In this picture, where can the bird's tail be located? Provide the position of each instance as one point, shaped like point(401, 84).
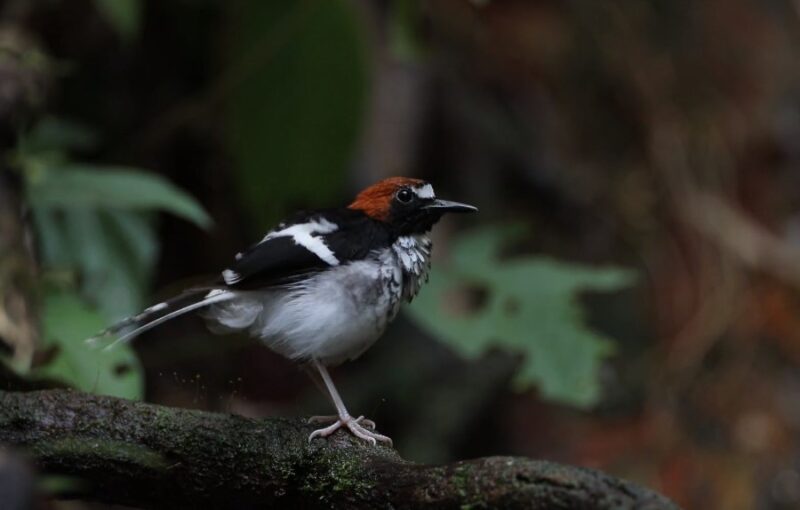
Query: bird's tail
point(133, 326)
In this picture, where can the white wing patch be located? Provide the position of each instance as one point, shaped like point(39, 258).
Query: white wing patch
point(425, 191)
point(303, 234)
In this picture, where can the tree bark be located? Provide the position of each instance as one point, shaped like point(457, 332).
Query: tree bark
point(152, 456)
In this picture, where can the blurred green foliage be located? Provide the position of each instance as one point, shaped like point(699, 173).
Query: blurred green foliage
point(296, 90)
point(68, 322)
point(297, 109)
point(95, 230)
point(66, 185)
point(404, 22)
point(524, 305)
point(125, 16)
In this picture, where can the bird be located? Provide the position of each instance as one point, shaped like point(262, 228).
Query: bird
point(321, 287)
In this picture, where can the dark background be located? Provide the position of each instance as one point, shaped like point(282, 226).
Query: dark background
point(661, 136)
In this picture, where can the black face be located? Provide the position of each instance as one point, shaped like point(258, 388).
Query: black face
point(414, 209)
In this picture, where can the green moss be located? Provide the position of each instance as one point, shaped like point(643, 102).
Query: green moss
point(463, 480)
point(460, 479)
point(349, 476)
point(103, 448)
point(331, 474)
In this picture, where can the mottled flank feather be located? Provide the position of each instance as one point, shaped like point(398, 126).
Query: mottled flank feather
point(376, 200)
point(414, 255)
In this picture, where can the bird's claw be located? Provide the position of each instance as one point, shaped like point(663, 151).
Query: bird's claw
point(331, 418)
point(360, 427)
point(366, 423)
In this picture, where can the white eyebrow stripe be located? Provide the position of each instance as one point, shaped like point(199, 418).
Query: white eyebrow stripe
point(425, 191)
point(303, 235)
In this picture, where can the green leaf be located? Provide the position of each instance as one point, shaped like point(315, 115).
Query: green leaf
point(115, 188)
point(298, 106)
point(114, 274)
point(136, 238)
point(112, 254)
point(57, 134)
point(403, 28)
point(124, 15)
point(51, 238)
point(67, 322)
point(524, 305)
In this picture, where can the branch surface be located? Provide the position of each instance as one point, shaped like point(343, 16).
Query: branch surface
point(152, 456)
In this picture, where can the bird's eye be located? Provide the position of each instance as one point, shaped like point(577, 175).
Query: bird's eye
point(405, 195)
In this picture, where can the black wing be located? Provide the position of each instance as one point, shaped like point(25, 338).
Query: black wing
point(281, 260)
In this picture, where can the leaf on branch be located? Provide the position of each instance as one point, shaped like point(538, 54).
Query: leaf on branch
point(525, 305)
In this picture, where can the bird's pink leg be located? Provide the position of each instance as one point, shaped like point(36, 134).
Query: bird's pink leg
point(343, 418)
point(330, 418)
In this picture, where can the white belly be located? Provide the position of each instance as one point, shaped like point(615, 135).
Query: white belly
point(333, 316)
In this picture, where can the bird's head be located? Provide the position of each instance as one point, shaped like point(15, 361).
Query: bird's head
point(408, 205)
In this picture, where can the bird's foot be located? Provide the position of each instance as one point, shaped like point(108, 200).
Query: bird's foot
point(359, 427)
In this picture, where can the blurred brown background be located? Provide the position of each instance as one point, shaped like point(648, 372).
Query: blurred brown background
point(662, 136)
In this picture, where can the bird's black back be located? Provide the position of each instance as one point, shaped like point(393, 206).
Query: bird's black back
point(281, 260)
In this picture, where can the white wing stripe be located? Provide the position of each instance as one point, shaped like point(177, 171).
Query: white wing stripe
point(303, 235)
point(230, 276)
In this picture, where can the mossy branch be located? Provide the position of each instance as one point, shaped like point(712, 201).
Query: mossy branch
point(152, 456)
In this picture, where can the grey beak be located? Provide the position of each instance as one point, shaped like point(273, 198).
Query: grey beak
point(448, 206)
